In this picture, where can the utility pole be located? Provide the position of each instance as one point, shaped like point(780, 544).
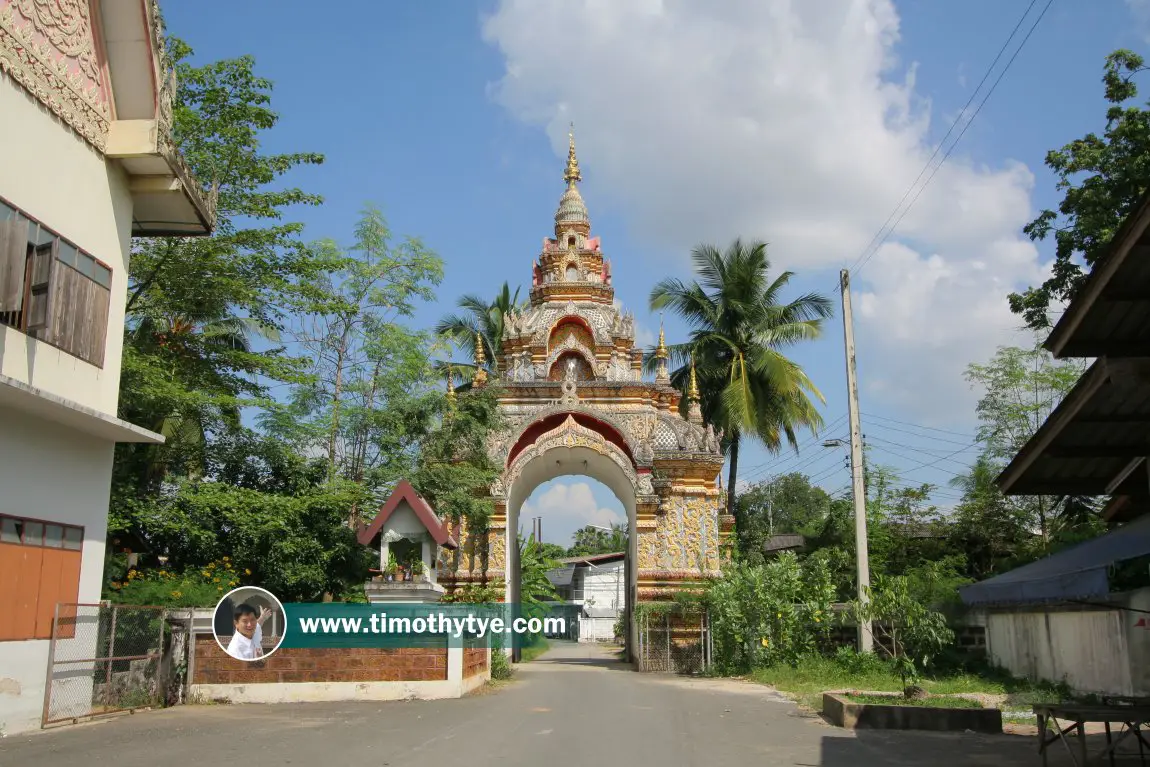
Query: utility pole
point(866, 640)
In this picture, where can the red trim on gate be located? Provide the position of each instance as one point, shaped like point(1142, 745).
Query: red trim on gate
point(539, 428)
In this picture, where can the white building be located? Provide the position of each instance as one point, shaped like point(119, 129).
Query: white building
point(85, 120)
point(598, 584)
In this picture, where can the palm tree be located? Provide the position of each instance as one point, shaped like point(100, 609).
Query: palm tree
point(738, 326)
point(483, 320)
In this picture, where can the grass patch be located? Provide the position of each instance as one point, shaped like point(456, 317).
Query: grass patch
point(931, 702)
point(533, 648)
point(811, 677)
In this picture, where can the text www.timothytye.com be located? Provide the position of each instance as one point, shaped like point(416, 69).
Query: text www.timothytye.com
point(434, 623)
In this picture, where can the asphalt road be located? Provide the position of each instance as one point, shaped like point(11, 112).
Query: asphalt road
point(574, 706)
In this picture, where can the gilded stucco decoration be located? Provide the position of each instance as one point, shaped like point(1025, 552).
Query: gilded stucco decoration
point(47, 46)
point(670, 462)
point(571, 434)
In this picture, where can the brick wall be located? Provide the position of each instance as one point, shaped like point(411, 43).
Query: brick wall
point(474, 661)
point(403, 664)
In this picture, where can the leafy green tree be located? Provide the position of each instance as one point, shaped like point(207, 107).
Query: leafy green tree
point(482, 319)
point(905, 629)
point(739, 329)
point(196, 306)
point(454, 469)
point(552, 550)
point(535, 587)
point(780, 505)
point(993, 531)
point(365, 364)
point(275, 515)
point(588, 541)
point(1021, 387)
point(1103, 178)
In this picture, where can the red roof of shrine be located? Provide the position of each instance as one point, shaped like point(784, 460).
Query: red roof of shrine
point(405, 492)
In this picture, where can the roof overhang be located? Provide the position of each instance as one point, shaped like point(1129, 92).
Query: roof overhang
point(405, 492)
point(1110, 315)
point(1095, 442)
point(41, 404)
point(167, 199)
point(1077, 573)
point(561, 576)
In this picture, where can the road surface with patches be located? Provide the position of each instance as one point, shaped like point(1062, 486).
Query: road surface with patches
point(575, 705)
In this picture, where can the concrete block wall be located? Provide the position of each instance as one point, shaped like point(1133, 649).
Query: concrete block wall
point(357, 664)
point(333, 674)
point(474, 661)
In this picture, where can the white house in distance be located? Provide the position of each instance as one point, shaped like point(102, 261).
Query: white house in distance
point(597, 583)
point(89, 163)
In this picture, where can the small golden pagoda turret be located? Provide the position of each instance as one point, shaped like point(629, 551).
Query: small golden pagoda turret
point(662, 375)
point(694, 409)
point(480, 361)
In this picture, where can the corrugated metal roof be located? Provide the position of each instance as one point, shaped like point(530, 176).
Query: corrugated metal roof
point(1110, 315)
point(784, 541)
point(561, 576)
point(1095, 441)
point(596, 557)
point(1079, 572)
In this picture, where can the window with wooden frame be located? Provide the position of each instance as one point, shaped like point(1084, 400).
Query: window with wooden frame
point(52, 290)
point(39, 568)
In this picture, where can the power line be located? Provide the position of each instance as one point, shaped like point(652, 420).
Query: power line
point(811, 460)
point(919, 426)
point(953, 125)
point(862, 262)
point(818, 435)
point(924, 436)
point(892, 451)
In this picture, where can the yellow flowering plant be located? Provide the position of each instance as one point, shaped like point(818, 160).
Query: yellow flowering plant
point(195, 587)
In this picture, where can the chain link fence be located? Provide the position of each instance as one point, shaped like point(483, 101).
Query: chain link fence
point(673, 641)
point(103, 659)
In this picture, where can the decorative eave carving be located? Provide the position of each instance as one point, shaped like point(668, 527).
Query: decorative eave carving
point(44, 72)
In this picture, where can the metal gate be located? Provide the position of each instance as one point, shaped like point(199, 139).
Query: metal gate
point(102, 659)
point(674, 641)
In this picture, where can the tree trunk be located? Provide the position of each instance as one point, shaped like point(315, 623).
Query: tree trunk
point(731, 476)
point(341, 356)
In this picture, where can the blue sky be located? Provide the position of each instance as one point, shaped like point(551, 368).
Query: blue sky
point(700, 123)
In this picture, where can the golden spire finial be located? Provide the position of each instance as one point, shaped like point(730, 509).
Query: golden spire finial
point(693, 390)
point(480, 360)
point(450, 388)
point(572, 174)
point(661, 351)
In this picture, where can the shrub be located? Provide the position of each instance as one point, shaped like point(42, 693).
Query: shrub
point(854, 662)
point(905, 629)
point(771, 613)
point(197, 587)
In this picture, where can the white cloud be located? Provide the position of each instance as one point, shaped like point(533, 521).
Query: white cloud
point(1140, 10)
point(794, 123)
point(565, 508)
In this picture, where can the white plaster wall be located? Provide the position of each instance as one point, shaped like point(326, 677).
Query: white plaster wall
point(404, 520)
point(50, 472)
point(606, 586)
point(58, 179)
point(1085, 648)
point(597, 629)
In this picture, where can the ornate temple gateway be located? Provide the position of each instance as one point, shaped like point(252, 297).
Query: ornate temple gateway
point(575, 403)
